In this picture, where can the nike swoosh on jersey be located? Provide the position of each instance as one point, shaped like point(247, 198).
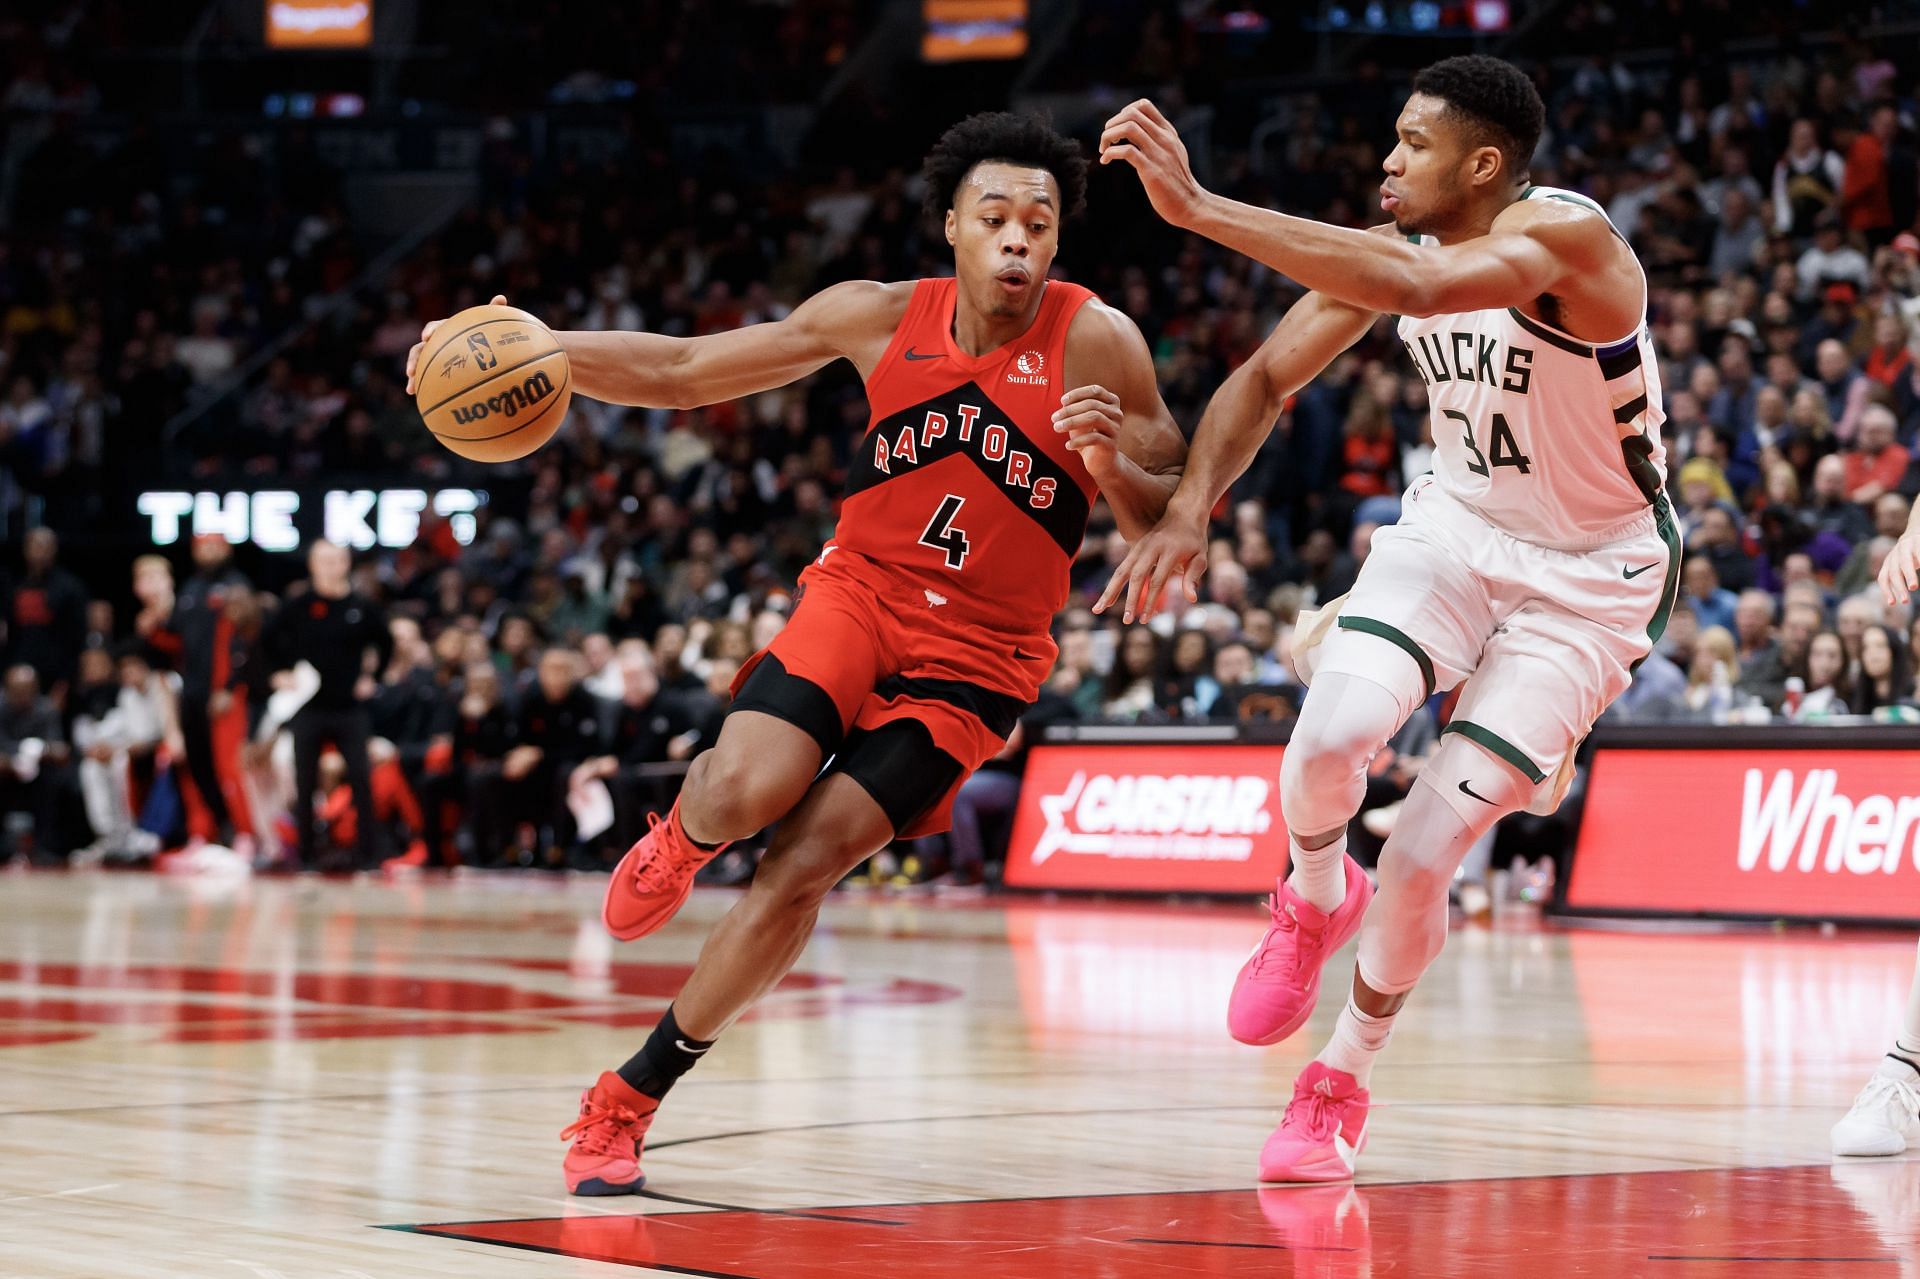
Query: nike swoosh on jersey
point(1631, 573)
point(930, 355)
point(1468, 790)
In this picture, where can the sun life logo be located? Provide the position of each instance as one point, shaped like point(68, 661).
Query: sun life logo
point(1029, 369)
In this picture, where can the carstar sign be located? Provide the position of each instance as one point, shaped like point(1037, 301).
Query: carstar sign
point(1149, 819)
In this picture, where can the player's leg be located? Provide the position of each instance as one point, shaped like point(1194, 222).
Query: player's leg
point(836, 826)
point(1885, 1118)
point(1344, 722)
point(757, 771)
point(1543, 678)
point(1403, 930)
point(792, 706)
point(1415, 622)
point(889, 779)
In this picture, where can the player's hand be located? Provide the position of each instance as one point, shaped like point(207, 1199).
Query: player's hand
point(1900, 574)
point(1142, 137)
point(1176, 547)
point(413, 356)
point(1090, 418)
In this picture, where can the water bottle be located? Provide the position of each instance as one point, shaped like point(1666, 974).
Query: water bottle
point(1796, 693)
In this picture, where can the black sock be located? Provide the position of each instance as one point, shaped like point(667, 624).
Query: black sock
point(669, 1053)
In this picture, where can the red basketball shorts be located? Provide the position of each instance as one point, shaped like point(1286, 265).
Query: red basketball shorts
point(904, 697)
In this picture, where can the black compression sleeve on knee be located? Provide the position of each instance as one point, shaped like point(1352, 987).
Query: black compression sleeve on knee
point(668, 1054)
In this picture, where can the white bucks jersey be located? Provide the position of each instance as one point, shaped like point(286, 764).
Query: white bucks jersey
point(1550, 438)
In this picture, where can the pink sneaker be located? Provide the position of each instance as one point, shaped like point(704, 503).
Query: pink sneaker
point(604, 1158)
point(1324, 1129)
point(1275, 992)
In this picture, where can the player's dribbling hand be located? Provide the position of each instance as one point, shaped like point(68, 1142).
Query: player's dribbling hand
point(1142, 137)
point(1900, 574)
point(413, 356)
point(1174, 548)
point(1090, 418)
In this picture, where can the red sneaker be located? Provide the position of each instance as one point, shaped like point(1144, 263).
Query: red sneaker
point(605, 1156)
point(652, 881)
point(1278, 985)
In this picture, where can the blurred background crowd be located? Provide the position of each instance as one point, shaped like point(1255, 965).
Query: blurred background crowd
point(242, 319)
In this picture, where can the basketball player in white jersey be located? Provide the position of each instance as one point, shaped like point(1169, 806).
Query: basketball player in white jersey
point(1885, 1119)
point(1540, 558)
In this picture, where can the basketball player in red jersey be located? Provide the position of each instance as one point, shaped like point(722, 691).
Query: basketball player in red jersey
point(921, 632)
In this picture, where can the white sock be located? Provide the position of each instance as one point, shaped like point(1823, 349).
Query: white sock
point(1319, 874)
point(1357, 1039)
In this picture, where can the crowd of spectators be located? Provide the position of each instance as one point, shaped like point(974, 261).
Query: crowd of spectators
point(647, 552)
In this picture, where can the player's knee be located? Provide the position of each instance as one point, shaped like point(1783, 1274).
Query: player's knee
point(1319, 775)
point(1322, 763)
point(1408, 877)
point(727, 797)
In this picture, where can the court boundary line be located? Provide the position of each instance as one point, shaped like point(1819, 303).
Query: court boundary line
point(434, 1227)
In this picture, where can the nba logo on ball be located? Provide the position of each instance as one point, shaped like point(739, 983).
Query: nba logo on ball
point(1029, 369)
point(483, 356)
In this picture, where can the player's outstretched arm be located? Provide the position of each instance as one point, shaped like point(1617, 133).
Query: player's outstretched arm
point(1238, 420)
point(1533, 245)
point(657, 371)
point(1116, 421)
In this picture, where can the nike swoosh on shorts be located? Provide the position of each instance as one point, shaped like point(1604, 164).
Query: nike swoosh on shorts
point(1468, 790)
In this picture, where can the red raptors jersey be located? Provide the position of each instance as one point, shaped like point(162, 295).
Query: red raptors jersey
point(961, 484)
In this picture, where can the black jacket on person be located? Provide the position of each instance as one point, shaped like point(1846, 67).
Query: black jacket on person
point(38, 719)
point(640, 734)
point(199, 611)
point(566, 731)
point(46, 623)
point(485, 740)
point(410, 711)
point(334, 635)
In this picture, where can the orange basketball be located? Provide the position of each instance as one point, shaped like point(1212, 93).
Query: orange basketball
point(493, 383)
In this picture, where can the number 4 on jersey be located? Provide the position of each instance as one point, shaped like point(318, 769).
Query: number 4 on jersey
point(941, 535)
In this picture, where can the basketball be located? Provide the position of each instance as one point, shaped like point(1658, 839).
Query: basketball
point(493, 384)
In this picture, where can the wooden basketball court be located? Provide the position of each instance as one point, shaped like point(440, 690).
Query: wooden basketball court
point(298, 1079)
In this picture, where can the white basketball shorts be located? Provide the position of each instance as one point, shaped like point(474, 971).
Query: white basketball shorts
point(1549, 635)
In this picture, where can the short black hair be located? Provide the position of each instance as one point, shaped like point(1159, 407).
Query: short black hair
point(1002, 136)
point(1495, 99)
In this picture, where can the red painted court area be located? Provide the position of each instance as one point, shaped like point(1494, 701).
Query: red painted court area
point(1858, 1219)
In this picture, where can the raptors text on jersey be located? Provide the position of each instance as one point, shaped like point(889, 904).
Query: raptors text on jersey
point(960, 483)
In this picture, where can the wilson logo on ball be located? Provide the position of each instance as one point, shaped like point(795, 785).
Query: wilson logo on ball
point(508, 402)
